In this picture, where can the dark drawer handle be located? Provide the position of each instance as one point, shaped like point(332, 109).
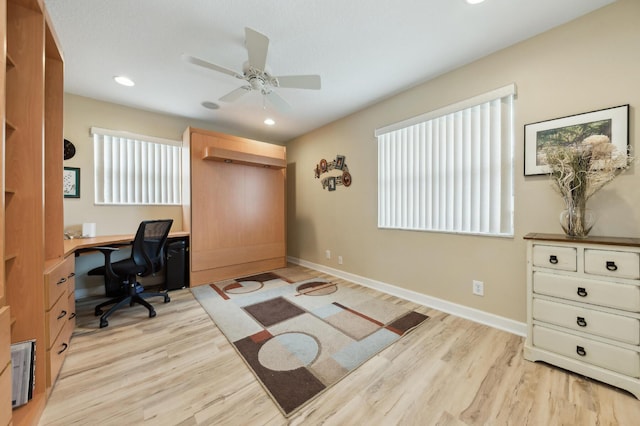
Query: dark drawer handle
point(64, 348)
point(553, 259)
point(611, 265)
point(581, 322)
point(72, 316)
point(62, 280)
point(582, 292)
point(71, 275)
point(581, 351)
point(62, 314)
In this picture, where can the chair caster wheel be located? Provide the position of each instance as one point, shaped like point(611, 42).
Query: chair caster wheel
point(167, 299)
point(152, 314)
point(98, 312)
point(104, 323)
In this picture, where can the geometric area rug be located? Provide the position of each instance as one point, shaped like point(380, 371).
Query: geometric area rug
point(300, 338)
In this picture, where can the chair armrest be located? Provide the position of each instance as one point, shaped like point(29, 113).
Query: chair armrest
point(106, 251)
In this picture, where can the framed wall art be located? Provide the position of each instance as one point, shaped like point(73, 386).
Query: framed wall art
point(71, 182)
point(611, 122)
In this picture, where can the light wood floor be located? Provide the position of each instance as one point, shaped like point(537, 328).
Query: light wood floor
point(178, 369)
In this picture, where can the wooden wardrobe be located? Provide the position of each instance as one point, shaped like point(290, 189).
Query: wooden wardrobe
point(233, 205)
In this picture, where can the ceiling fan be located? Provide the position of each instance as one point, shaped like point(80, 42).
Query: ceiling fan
point(255, 73)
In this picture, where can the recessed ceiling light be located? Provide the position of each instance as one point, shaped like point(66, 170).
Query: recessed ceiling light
point(210, 105)
point(474, 1)
point(125, 81)
point(269, 122)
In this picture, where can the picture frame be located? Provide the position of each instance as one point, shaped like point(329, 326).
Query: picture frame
point(71, 182)
point(340, 162)
point(612, 122)
point(332, 183)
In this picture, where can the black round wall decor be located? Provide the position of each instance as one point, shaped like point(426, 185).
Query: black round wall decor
point(69, 149)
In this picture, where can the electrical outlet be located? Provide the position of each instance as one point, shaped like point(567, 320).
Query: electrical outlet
point(328, 254)
point(339, 260)
point(478, 288)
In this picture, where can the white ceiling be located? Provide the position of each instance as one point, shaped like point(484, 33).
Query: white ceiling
point(364, 51)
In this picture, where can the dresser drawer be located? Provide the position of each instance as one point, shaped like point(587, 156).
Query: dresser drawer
point(603, 355)
point(71, 303)
point(616, 327)
point(554, 257)
point(611, 263)
point(5, 337)
point(57, 280)
point(5, 395)
point(58, 352)
point(612, 295)
point(57, 317)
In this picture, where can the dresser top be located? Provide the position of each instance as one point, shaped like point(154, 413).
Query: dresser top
point(611, 241)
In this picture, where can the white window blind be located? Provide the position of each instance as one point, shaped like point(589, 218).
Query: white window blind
point(135, 169)
point(450, 170)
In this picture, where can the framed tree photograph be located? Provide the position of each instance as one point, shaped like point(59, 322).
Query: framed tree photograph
point(71, 182)
point(611, 122)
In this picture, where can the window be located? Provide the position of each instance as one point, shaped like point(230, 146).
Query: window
point(135, 170)
point(450, 170)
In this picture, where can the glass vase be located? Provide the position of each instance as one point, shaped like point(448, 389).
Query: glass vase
point(577, 222)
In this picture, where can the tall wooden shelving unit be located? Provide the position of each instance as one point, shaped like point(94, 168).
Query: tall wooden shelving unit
point(5, 313)
point(33, 143)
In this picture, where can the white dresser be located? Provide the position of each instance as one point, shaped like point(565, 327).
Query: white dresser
point(583, 306)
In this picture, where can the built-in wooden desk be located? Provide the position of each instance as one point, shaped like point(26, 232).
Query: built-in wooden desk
point(75, 244)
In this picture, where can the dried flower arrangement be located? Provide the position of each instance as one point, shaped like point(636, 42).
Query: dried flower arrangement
point(578, 170)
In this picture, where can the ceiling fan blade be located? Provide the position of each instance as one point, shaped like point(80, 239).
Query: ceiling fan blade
point(299, 81)
point(235, 94)
point(278, 101)
point(205, 64)
point(257, 46)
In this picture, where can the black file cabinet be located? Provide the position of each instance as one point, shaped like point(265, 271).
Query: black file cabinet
point(177, 274)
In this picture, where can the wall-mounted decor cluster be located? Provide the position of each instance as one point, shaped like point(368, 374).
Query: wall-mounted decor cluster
point(331, 182)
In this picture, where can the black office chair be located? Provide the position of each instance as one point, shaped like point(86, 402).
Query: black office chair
point(147, 257)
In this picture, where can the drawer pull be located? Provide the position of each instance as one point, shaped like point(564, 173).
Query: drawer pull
point(71, 275)
point(581, 322)
point(580, 351)
point(582, 292)
point(553, 259)
point(62, 280)
point(611, 265)
point(62, 314)
point(72, 316)
point(64, 348)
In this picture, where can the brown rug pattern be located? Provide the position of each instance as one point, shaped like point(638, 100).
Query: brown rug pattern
point(301, 338)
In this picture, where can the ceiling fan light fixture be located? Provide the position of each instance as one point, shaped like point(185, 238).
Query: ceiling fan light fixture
point(125, 81)
point(210, 105)
point(269, 121)
point(474, 1)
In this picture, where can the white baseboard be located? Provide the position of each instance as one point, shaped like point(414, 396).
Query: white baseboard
point(476, 315)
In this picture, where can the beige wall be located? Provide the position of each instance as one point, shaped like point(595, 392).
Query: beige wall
point(80, 114)
point(585, 65)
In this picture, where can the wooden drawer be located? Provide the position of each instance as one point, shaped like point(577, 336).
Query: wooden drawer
point(614, 358)
point(616, 327)
point(57, 317)
point(611, 263)
point(619, 296)
point(5, 366)
point(5, 395)
point(58, 352)
point(56, 281)
point(5, 337)
point(554, 257)
point(71, 303)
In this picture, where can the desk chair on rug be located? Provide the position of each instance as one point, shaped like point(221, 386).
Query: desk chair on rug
point(147, 257)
